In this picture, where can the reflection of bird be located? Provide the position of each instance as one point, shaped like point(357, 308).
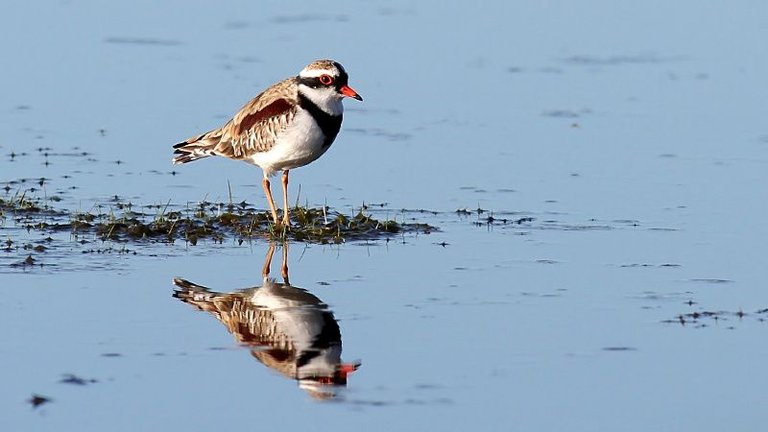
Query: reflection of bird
point(288, 125)
point(289, 329)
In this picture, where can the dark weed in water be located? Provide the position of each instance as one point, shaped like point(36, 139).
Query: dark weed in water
point(36, 400)
point(704, 318)
point(120, 222)
point(20, 203)
point(486, 218)
point(77, 380)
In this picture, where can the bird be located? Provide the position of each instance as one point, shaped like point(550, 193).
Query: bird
point(290, 124)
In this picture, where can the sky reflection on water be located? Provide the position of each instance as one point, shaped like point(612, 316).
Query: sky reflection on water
point(633, 135)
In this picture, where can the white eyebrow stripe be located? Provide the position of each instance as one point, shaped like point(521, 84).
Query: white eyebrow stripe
point(314, 73)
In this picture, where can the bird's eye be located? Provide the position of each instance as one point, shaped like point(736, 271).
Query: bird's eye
point(326, 79)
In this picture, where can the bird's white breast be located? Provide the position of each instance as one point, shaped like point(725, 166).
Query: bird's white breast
point(299, 144)
point(300, 320)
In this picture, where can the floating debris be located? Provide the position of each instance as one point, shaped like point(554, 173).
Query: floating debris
point(37, 400)
point(619, 348)
point(698, 319)
point(76, 380)
point(26, 262)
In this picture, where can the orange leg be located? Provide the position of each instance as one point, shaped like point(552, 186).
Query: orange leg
point(271, 201)
point(286, 217)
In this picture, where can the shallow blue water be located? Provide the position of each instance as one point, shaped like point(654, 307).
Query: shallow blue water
point(634, 135)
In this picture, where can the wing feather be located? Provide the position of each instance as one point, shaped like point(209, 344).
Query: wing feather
point(256, 126)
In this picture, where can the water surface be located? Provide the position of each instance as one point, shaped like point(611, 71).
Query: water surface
point(628, 140)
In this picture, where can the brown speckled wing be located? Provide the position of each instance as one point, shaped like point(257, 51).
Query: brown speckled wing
point(255, 127)
point(252, 119)
point(250, 323)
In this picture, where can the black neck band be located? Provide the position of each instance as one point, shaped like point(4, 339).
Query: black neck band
point(329, 124)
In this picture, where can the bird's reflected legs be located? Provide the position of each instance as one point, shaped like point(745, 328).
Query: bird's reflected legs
point(284, 268)
point(268, 261)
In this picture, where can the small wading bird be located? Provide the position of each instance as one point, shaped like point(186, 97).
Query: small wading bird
point(288, 125)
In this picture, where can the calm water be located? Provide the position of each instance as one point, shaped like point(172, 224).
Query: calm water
point(633, 135)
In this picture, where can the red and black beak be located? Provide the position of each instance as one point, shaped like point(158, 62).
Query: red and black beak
point(349, 92)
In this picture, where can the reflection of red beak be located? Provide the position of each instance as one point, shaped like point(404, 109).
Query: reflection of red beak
point(345, 369)
point(350, 92)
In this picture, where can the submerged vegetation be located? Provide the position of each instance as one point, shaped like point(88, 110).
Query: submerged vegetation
point(122, 222)
point(33, 227)
point(704, 318)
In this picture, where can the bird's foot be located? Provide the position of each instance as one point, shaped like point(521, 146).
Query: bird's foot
point(280, 228)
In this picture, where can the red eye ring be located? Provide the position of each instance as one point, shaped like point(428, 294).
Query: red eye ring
point(326, 79)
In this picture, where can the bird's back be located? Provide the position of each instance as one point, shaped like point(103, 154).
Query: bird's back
point(253, 129)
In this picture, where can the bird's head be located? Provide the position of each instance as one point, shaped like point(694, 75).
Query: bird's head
point(325, 80)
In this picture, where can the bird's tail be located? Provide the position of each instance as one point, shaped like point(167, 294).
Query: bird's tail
point(197, 147)
point(194, 294)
